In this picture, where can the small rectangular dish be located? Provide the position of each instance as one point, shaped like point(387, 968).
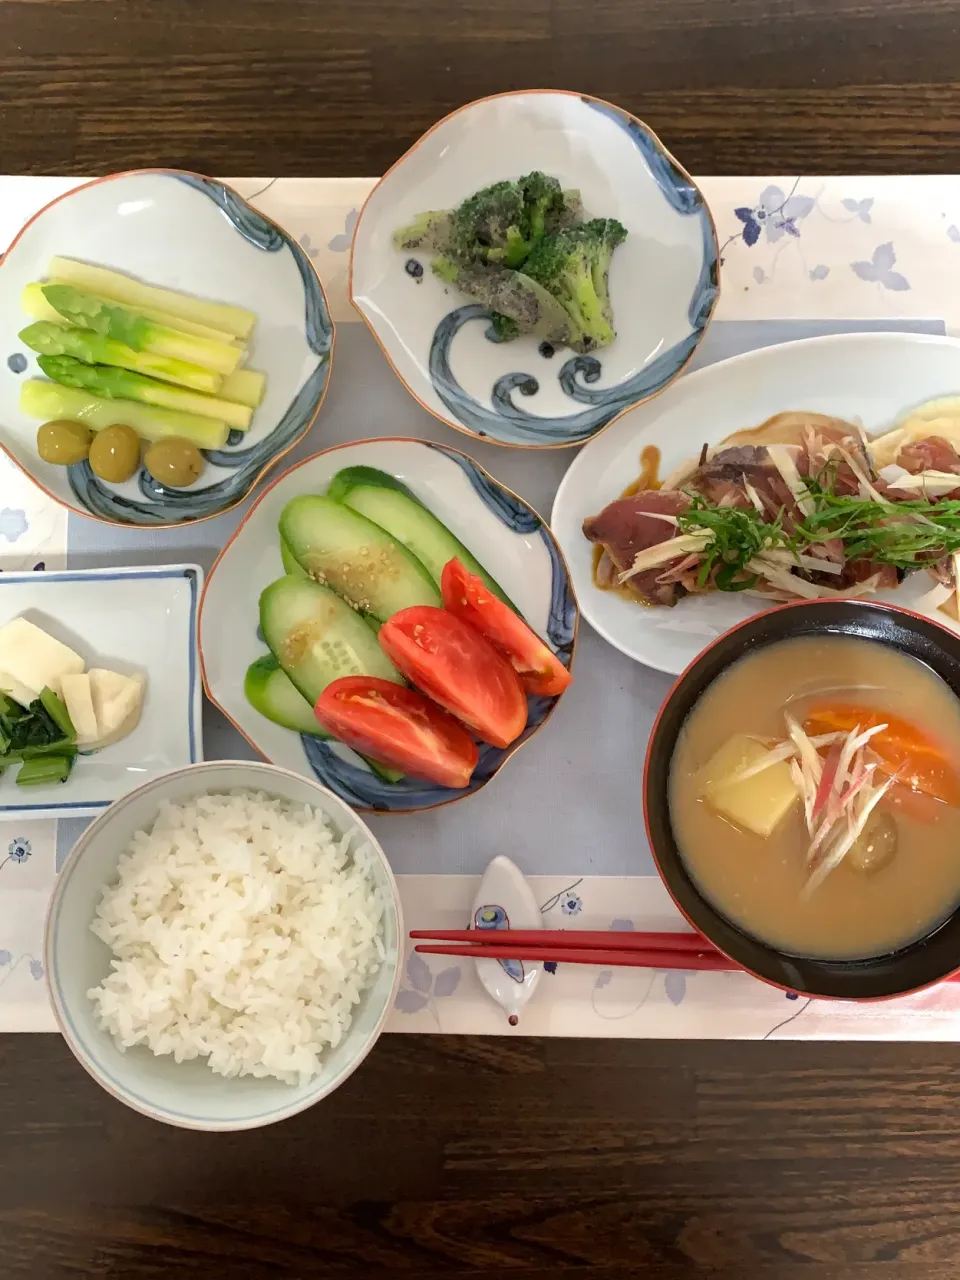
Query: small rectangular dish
point(137, 621)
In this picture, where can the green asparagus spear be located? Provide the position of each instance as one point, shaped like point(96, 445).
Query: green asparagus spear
point(49, 401)
point(133, 293)
point(135, 330)
point(120, 384)
point(93, 348)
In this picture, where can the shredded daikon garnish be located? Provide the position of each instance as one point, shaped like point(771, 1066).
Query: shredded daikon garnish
point(663, 552)
point(752, 494)
point(932, 484)
point(863, 480)
point(782, 459)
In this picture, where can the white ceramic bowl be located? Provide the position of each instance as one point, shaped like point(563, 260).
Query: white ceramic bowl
point(177, 230)
point(189, 1094)
point(868, 378)
point(663, 282)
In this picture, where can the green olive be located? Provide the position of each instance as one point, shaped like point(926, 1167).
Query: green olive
point(115, 453)
point(876, 845)
point(63, 442)
point(174, 462)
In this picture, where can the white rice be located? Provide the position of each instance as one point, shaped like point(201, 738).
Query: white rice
point(243, 930)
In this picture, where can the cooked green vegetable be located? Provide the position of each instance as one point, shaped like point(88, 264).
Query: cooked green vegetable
point(502, 223)
point(36, 305)
point(87, 345)
point(120, 384)
point(56, 709)
point(40, 738)
point(511, 295)
point(51, 401)
point(44, 769)
point(245, 386)
point(370, 569)
point(122, 288)
point(390, 504)
point(574, 266)
point(138, 332)
point(430, 232)
point(522, 250)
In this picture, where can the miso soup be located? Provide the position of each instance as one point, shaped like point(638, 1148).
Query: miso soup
point(815, 797)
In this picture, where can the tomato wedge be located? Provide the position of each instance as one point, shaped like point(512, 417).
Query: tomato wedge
point(457, 667)
point(918, 759)
point(398, 727)
point(466, 596)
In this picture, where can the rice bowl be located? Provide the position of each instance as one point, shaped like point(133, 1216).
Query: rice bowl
point(229, 920)
point(242, 931)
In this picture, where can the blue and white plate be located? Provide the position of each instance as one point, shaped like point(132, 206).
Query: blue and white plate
point(663, 282)
point(507, 537)
point(141, 622)
point(179, 231)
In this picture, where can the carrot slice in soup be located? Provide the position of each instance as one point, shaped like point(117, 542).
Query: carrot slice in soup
point(921, 762)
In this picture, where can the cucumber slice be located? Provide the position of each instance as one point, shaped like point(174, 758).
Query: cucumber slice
point(355, 557)
point(291, 564)
point(269, 690)
point(317, 638)
point(384, 500)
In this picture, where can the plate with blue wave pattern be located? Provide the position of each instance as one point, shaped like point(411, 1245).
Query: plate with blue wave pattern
point(506, 535)
point(663, 281)
point(182, 231)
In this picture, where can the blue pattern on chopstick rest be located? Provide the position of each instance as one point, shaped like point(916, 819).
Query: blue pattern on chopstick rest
point(509, 422)
point(169, 506)
point(353, 781)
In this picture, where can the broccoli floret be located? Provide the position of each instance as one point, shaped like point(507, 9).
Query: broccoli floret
point(548, 207)
point(502, 223)
point(488, 225)
point(508, 294)
point(430, 232)
point(504, 329)
point(573, 265)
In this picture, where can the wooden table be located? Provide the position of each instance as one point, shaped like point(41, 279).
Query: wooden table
point(517, 1158)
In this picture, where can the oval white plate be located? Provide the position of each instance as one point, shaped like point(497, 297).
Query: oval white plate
point(870, 378)
point(508, 538)
point(663, 283)
point(180, 231)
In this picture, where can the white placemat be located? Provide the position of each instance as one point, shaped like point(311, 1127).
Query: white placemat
point(799, 256)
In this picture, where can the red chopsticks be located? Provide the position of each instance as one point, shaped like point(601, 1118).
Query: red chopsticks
point(578, 946)
point(610, 947)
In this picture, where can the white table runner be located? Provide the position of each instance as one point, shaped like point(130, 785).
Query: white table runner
point(799, 256)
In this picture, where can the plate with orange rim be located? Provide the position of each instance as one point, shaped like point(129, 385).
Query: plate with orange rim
point(663, 283)
point(183, 231)
point(506, 535)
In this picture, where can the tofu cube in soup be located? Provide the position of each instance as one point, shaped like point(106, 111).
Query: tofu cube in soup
point(758, 803)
